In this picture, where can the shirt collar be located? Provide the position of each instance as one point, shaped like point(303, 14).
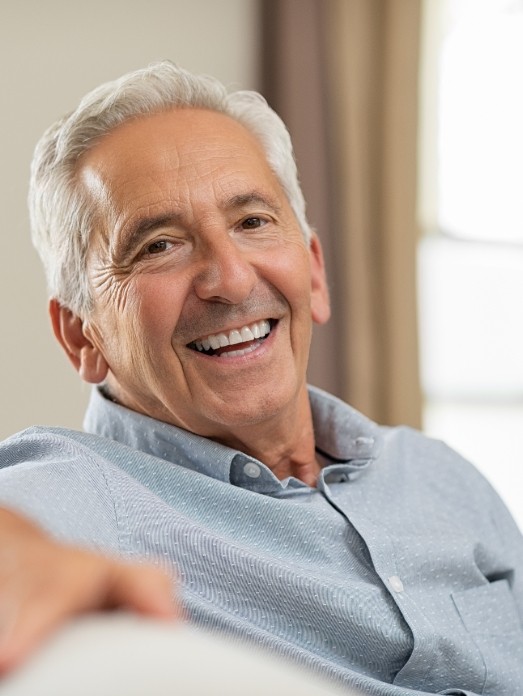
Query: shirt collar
point(342, 434)
point(346, 440)
point(168, 442)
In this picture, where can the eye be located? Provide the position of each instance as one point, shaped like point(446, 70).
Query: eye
point(252, 223)
point(157, 247)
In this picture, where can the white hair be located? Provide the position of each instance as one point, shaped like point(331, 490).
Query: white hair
point(62, 217)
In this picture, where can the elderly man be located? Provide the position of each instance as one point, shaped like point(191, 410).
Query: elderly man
point(184, 281)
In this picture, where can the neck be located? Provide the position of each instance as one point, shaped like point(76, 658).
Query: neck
point(286, 444)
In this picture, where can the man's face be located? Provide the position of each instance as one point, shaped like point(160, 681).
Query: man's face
point(204, 289)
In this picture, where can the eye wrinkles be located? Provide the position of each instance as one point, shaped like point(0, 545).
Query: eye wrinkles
point(131, 238)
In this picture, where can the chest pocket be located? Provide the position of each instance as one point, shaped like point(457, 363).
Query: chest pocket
point(490, 615)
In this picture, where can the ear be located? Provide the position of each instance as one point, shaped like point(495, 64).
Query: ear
point(320, 304)
point(71, 333)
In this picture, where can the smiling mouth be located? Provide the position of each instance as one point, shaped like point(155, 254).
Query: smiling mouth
point(236, 342)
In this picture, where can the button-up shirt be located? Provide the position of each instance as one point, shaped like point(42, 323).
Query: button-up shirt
point(400, 573)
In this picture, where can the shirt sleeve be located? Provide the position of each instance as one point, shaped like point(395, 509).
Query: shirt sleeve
point(60, 485)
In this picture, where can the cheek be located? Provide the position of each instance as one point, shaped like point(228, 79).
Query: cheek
point(154, 308)
point(289, 272)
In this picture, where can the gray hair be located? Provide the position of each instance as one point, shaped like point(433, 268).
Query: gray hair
point(62, 217)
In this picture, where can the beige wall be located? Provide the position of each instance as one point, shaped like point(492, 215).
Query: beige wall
point(51, 53)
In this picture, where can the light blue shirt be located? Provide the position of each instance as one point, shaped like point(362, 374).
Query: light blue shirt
point(401, 573)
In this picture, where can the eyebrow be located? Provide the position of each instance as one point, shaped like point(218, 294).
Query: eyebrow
point(243, 200)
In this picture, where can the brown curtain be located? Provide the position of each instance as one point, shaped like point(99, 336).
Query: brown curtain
point(343, 74)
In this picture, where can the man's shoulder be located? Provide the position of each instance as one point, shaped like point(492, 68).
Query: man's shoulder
point(59, 464)
point(57, 478)
point(414, 448)
point(48, 444)
point(412, 459)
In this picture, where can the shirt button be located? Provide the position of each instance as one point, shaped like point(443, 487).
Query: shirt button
point(362, 441)
point(396, 583)
point(251, 470)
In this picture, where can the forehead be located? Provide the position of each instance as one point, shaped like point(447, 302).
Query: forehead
point(174, 154)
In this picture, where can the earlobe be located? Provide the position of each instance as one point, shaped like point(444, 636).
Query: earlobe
point(320, 303)
point(77, 343)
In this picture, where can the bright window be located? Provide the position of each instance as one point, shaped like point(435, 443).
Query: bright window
point(471, 255)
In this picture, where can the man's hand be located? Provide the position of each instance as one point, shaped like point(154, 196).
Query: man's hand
point(42, 583)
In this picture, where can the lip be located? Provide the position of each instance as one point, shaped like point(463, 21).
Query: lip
point(223, 339)
point(264, 345)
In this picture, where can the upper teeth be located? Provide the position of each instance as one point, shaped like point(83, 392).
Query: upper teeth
point(247, 333)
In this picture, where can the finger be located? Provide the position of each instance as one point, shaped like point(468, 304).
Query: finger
point(144, 589)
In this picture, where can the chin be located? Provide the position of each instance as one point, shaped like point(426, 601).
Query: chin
point(253, 411)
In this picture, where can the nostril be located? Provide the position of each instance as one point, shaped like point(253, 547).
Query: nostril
point(229, 280)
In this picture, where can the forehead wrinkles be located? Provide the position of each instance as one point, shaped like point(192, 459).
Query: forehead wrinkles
point(123, 183)
point(209, 169)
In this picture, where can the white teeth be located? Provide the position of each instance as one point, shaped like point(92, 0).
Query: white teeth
point(234, 338)
point(241, 351)
point(247, 333)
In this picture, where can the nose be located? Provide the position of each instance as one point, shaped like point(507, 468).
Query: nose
point(225, 272)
